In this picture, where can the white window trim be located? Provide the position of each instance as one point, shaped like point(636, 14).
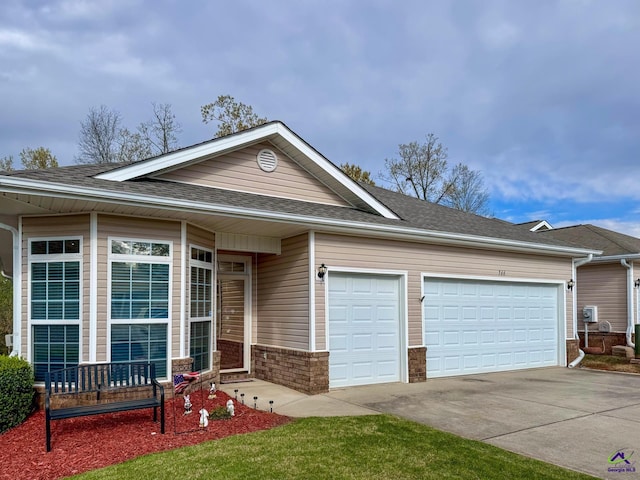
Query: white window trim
point(50, 258)
point(153, 259)
point(209, 266)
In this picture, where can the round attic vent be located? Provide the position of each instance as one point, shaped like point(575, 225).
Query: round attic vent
point(267, 160)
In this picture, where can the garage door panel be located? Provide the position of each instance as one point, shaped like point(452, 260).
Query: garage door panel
point(368, 324)
point(489, 326)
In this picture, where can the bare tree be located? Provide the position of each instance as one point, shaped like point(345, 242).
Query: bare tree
point(99, 135)
point(422, 171)
point(6, 163)
point(161, 131)
point(36, 159)
point(357, 173)
point(131, 147)
point(469, 193)
point(231, 116)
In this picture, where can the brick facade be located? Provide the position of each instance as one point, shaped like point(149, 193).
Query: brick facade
point(610, 340)
point(307, 372)
point(184, 365)
point(417, 364)
point(572, 350)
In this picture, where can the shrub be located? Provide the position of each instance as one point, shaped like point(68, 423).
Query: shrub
point(219, 413)
point(16, 391)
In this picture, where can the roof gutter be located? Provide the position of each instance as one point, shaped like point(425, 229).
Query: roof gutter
point(48, 189)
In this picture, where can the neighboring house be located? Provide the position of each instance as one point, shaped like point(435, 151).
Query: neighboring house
point(252, 254)
point(609, 282)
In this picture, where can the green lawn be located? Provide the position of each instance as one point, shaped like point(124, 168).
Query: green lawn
point(370, 447)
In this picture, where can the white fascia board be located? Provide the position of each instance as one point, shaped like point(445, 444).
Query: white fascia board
point(335, 173)
point(30, 187)
point(188, 154)
point(616, 258)
point(543, 224)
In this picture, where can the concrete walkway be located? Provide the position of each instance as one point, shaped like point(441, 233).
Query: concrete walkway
point(574, 418)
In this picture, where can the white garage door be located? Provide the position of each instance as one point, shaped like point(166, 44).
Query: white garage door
point(364, 329)
point(478, 327)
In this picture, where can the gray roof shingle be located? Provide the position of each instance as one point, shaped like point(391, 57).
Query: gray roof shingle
point(413, 213)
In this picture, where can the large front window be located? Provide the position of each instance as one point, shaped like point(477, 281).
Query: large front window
point(201, 307)
point(54, 303)
point(140, 282)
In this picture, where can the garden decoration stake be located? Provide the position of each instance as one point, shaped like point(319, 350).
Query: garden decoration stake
point(212, 391)
point(204, 418)
point(231, 408)
point(187, 405)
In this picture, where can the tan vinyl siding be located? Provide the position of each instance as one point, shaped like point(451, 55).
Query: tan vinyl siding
point(52, 227)
point(240, 171)
point(137, 229)
point(603, 285)
point(283, 296)
point(416, 259)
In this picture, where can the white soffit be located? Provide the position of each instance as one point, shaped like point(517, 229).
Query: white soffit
point(280, 136)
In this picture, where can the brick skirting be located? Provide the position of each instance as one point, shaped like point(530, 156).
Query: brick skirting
point(417, 364)
point(572, 350)
point(307, 372)
point(611, 339)
point(183, 365)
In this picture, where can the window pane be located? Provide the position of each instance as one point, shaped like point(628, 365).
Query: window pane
point(55, 246)
point(54, 312)
point(140, 310)
point(71, 311)
point(160, 249)
point(140, 291)
point(39, 247)
point(120, 271)
point(72, 291)
point(120, 310)
point(140, 342)
point(140, 272)
point(71, 246)
point(199, 342)
point(38, 271)
point(141, 248)
point(38, 291)
point(120, 247)
point(160, 273)
point(54, 347)
point(72, 271)
point(54, 291)
point(55, 271)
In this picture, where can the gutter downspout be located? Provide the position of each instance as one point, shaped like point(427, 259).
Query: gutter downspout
point(629, 268)
point(575, 263)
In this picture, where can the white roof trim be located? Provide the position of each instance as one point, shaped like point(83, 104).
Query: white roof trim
point(16, 185)
point(231, 142)
point(542, 225)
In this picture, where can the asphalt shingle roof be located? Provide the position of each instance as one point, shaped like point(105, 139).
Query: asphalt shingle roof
point(590, 236)
point(413, 213)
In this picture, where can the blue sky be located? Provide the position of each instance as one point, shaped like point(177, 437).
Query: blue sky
point(542, 97)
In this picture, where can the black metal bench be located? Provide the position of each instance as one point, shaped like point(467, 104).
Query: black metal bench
point(102, 388)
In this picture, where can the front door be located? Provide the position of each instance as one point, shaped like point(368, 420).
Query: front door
point(233, 312)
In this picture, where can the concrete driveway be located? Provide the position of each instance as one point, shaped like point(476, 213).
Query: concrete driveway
point(574, 418)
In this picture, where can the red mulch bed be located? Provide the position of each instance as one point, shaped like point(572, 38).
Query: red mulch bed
point(87, 443)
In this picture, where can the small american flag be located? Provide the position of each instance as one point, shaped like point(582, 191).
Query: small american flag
point(182, 381)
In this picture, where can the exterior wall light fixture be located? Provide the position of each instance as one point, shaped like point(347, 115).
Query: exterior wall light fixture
point(322, 270)
point(570, 284)
point(637, 283)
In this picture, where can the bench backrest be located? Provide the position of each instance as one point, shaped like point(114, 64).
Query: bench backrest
point(99, 376)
